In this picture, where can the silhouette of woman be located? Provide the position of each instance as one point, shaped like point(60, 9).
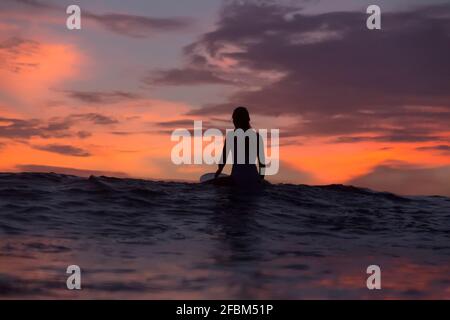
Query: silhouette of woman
point(244, 171)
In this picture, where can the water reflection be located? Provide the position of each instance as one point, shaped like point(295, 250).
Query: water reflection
point(33, 268)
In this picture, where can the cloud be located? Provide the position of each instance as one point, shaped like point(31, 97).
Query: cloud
point(32, 67)
point(328, 70)
point(83, 134)
point(443, 148)
point(57, 127)
point(25, 129)
point(403, 178)
point(182, 123)
point(69, 171)
point(12, 49)
point(94, 118)
point(64, 150)
point(99, 97)
point(188, 76)
point(138, 26)
point(135, 26)
point(187, 123)
point(34, 3)
point(124, 133)
point(400, 137)
point(168, 127)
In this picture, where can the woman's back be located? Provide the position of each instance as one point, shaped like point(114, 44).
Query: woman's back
point(245, 145)
point(245, 174)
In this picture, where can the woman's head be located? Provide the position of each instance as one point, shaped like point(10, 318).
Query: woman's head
point(241, 118)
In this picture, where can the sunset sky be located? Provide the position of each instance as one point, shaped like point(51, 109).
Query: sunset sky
point(355, 106)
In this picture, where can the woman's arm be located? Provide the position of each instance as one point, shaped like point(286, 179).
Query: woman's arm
point(261, 157)
point(224, 160)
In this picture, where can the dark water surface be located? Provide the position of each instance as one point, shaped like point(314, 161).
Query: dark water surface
point(144, 239)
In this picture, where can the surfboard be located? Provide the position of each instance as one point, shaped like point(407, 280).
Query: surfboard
point(210, 176)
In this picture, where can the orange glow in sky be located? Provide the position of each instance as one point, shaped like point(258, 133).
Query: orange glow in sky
point(77, 100)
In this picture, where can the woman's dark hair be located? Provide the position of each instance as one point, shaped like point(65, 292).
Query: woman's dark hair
point(241, 118)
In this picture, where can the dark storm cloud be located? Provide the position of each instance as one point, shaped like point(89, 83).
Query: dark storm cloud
point(69, 171)
point(337, 75)
point(101, 97)
point(135, 26)
point(406, 179)
point(67, 150)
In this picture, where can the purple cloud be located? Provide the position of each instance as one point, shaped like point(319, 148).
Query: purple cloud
point(138, 26)
point(57, 127)
point(67, 150)
point(69, 171)
point(443, 149)
point(135, 26)
point(188, 76)
point(330, 70)
point(101, 97)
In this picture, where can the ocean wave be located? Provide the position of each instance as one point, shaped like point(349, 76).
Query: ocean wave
point(282, 232)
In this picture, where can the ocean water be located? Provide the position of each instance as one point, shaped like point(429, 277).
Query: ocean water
point(136, 239)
